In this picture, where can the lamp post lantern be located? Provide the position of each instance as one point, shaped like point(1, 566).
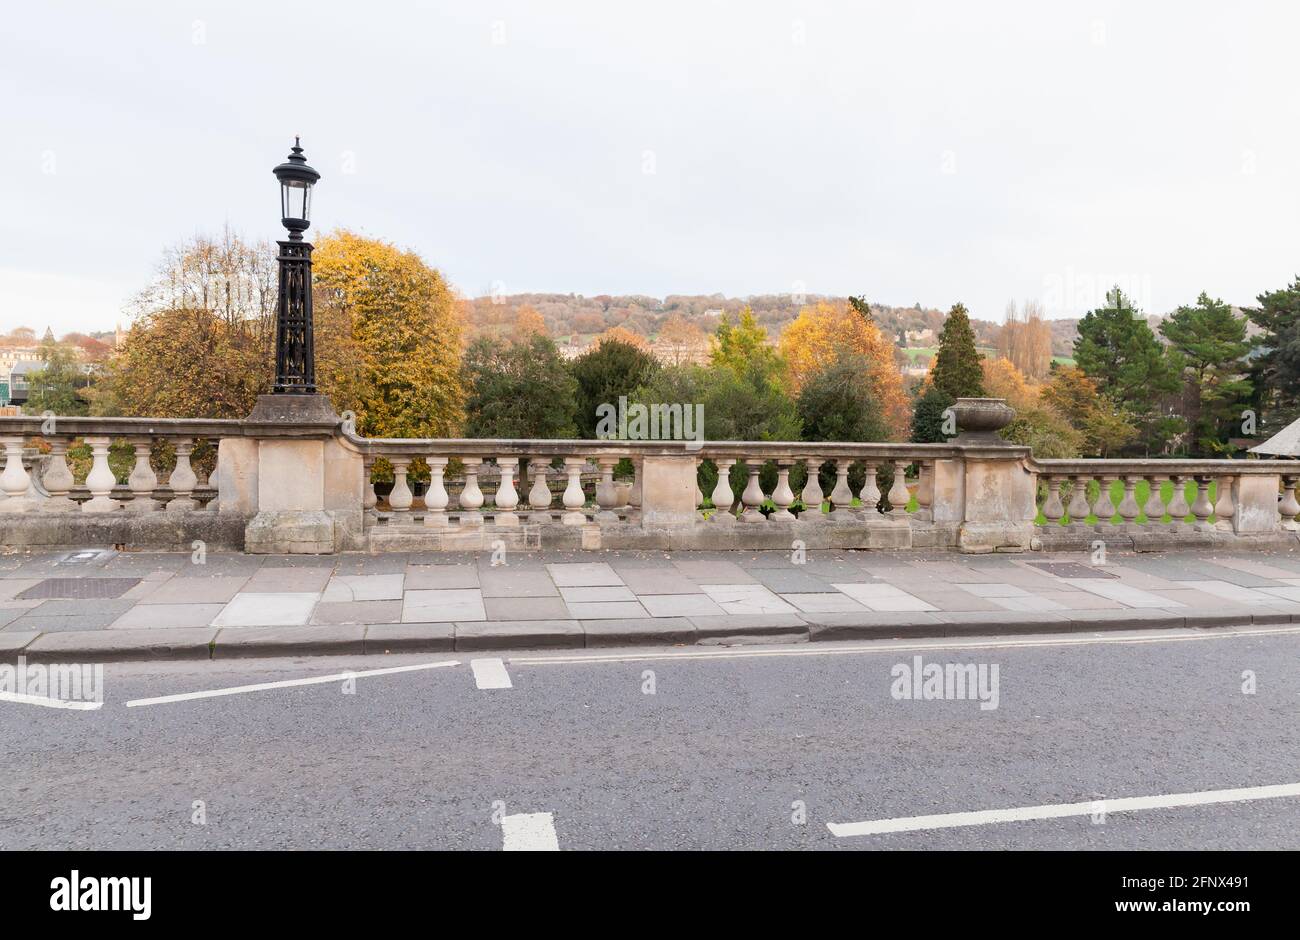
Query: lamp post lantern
point(295, 356)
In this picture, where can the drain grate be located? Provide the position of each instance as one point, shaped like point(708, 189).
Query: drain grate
point(1070, 569)
point(78, 588)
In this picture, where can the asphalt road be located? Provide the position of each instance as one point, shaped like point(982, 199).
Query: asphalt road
point(716, 758)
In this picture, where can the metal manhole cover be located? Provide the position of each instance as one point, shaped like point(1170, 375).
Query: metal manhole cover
point(1069, 569)
point(78, 588)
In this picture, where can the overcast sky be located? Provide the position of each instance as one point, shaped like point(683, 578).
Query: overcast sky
point(913, 153)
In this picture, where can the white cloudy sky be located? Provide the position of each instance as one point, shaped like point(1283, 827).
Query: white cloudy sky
point(912, 152)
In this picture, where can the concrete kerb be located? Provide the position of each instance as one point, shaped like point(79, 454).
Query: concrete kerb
point(378, 639)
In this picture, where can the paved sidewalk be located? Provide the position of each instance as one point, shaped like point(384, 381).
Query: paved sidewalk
point(117, 606)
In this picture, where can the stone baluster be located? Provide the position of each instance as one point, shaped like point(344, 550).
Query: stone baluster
point(1077, 507)
point(925, 492)
point(899, 496)
point(57, 479)
point(722, 496)
point(574, 498)
point(507, 497)
point(1053, 509)
point(1202, 508)
point(15, 480)
point(369, 500)
point(143, 481)
point(783, 496)
point(435, 497)
point(1178, 508)
point(1104, 507)
point(699, 493)
point(539, 494)
point(182, 479)
point(870, 495)
point(752, 497)
point(399, 497)
point(606, 490)
point(841, 495)
point(1129, 509)
point(100, 480)
point(1289, 506)
point(812, 495)
point(470, 502)
point(1154, 508)
point(1224, 507)
point(634, 499)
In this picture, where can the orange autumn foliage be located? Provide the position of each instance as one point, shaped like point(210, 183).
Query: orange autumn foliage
point(825, 331)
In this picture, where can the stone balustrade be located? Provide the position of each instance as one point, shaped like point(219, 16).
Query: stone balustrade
point(289, 483)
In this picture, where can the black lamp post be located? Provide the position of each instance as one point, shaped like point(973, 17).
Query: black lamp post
point(295, 355)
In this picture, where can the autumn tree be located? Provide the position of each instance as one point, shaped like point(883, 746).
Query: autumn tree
point(1003, 380)
point(824, 334)
point(1105, 426)
point(682, 341)
point(388, 338)
point(201, 341)
point(1026, 340)
point(56, 388)
point(528, 322)
point(957, 372)
point(743, 347)
point(621, 334)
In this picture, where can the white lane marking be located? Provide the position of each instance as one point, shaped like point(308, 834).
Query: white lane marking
point(23, 699)
point(1058, 810)
point(529, 832)
point(836, 649)
point(490, 674)
point(287, 683)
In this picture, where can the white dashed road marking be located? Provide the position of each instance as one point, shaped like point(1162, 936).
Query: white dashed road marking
point(22, 699)
point(1059, 810)
point(288, 683)
point(490, 674)
point(529, 832)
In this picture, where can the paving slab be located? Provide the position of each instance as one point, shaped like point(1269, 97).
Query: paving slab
point(669, 631)
point(789, 580)
point(680, 605)
point(659, 581)
point(441, 577)
point(746, 599)
point(518, 634)
point(607, 610)
point(713, 572)
point(217, 589)
point(588, 595)
point(266, 610)
point(443, 605)
point(583, 574)
point(525, 608)
point(285, 641)
point(166, 616)
point(357, 612)
point(363, 587)
point(12, 642)
point(515, 582)
point(410, 638)
point(112, 645)
point(12, 587)
point(9, 614)
point(824, 603)
point(275, 579)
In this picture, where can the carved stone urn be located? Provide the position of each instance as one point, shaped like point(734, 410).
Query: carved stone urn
point(980, 419)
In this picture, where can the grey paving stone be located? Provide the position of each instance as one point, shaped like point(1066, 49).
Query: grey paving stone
point(410, 638)
point(167, 616)
point(387, 563)
point(110, 645)
point(1071, 569)
point(9, 614)
point(441, 577)
point(583, 574)
point(1132, 619)
point(680, 605)
point(525, 608)
point(12, 587)
point(281, 641)
point(509, 581)
point(658, 581)
point(275, 579)
point(729, 624)
point(790, 580)
point(357, 612)
point(588, 595)
point(217, 589)
point(364, 587)
point(607, 610)
point(11, 643)
point(660, 630)
point(870, 624)
point(713, 571)
point(518, 634)
point(62, 607)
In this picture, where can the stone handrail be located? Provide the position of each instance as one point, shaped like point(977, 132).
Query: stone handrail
point(287, 483)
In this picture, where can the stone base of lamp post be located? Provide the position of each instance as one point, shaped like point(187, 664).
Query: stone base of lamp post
point(294, 409)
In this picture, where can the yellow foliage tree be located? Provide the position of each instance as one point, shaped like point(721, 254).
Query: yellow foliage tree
point(1003, 380)
point(824, 332)
point(388, 338)
point(528, 322)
